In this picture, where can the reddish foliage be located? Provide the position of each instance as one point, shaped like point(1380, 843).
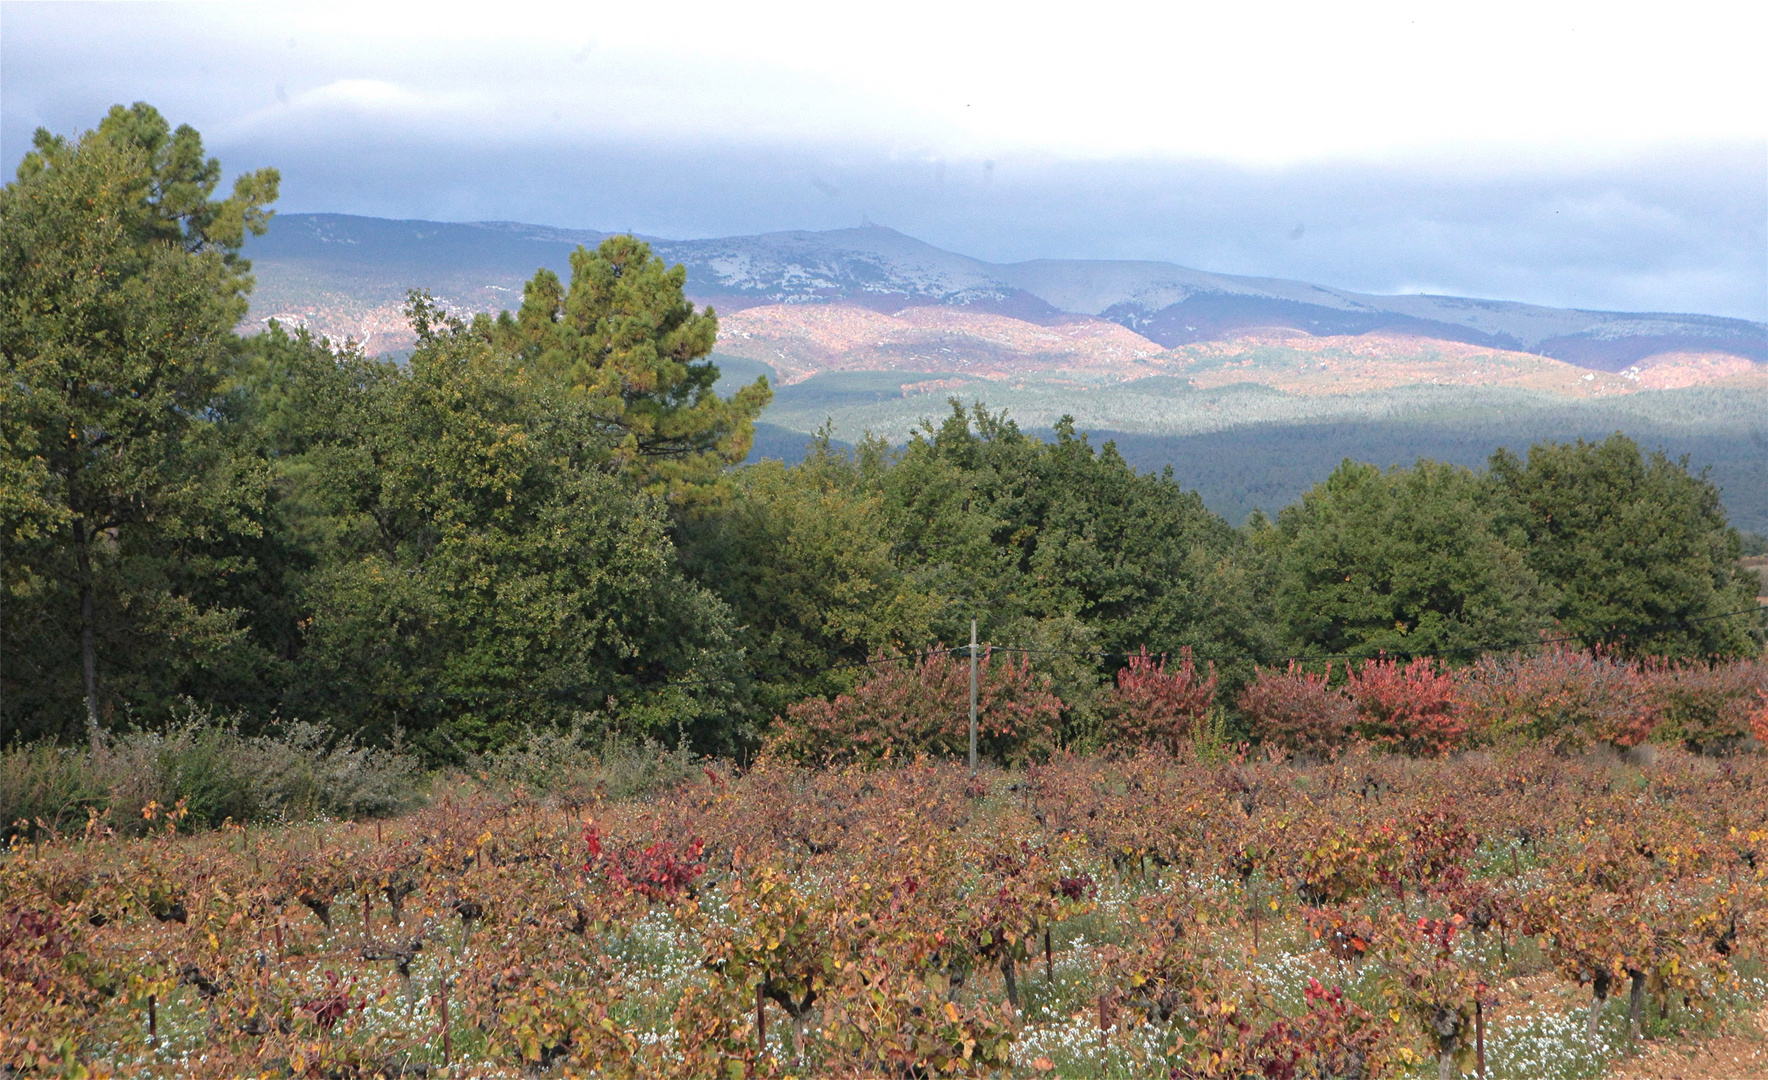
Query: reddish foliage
point(1154, 706)
point(1562, 696)
point(904, 709)
point(1438, 850)
point(1076, 887)
point(1759, 720)
point(1298, 710)
point(31, 944)
point(1706, 706)
point(1414, 709)
point(1335, 1037)
point(659, 871)
point(331, 1006)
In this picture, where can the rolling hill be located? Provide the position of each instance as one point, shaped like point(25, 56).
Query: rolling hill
point(1252, 388)
point(346, 276)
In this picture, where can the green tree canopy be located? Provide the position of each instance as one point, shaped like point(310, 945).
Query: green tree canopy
point(1407, 561)
point(633, 348)
point(1626, 541)
point(1058, 545)
point(1015, 528)
point(120, 285)
point(479, 569)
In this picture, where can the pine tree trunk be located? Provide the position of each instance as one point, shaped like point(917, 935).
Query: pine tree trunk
point(88, 634)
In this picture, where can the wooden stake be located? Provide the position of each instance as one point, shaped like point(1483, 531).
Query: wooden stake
point(1479, 1036)
point(447, 1035)
point(760, 1019)
point(1049, 964)
point(153, 1023)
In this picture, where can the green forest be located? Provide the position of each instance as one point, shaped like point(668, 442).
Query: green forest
point(540, 519)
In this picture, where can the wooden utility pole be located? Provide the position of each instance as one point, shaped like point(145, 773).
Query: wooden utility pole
point(972, 697)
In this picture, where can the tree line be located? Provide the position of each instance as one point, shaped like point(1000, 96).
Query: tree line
point(541, 519)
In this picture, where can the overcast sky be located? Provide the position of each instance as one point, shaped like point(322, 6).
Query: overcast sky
point(1590, 155)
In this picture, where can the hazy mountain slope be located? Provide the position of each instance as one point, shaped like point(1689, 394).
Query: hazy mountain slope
point(347, 275)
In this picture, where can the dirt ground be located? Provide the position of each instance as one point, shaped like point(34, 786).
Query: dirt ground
point(1740, 1053)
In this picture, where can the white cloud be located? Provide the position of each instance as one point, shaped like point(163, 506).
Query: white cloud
point(1568, 153)
point(1262, 84)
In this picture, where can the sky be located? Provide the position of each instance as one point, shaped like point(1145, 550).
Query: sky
point(1587, 155)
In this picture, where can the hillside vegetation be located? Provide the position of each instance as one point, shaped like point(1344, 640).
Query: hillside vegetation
point(533, 519)
point(479, 712)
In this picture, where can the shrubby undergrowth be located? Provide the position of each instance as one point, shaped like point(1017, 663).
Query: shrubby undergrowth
point(1565, 699)
point(1377, 916)
point(205, 770)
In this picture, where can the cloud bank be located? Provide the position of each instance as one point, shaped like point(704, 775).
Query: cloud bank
point(1571, 157)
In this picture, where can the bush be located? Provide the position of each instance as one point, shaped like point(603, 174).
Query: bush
point(217, 773)
point(1562, 696)
point(1297, 710)
point(1153, 706)
point(1706, 707)
point(1413, 709)
point(48, 783)
point(905, 709)
point(574, 763)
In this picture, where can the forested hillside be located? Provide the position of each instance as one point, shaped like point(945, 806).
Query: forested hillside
point(539, 519)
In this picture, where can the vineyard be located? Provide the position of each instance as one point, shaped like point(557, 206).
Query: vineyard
point(1514, 913)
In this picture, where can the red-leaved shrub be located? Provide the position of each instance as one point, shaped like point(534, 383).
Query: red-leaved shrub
point(1153, 705)
point(1298, 710)
point(659, 871)
point(1413, 709)
point(1706, 707)
point(903, 709)
point(1562, 696)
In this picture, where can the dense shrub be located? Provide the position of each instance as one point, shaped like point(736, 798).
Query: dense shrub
point(1153, 705)
point(903, 709)
point(1706, 706)
point(1298, 710)
point(210, 768)
point(1414, 708)
point(578, 762)
point(1565, 697)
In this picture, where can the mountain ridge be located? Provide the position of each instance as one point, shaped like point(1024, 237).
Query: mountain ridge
point(320, 267)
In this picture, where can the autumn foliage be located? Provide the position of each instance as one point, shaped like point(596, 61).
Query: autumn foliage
point(1298, 710)
point(922, 706)
point(1413, 708)
point(1154, 704)
point(1359, 917)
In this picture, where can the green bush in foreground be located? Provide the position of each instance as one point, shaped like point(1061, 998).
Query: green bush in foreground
point(216, 773)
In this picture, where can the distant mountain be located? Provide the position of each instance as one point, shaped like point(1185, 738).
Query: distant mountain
point(346, 276)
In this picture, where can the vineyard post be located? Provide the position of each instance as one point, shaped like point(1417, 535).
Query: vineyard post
point(761, 1018)
point(972, 697)
point(153, 1023)
point(1479, 1034)
point(447, 1035)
